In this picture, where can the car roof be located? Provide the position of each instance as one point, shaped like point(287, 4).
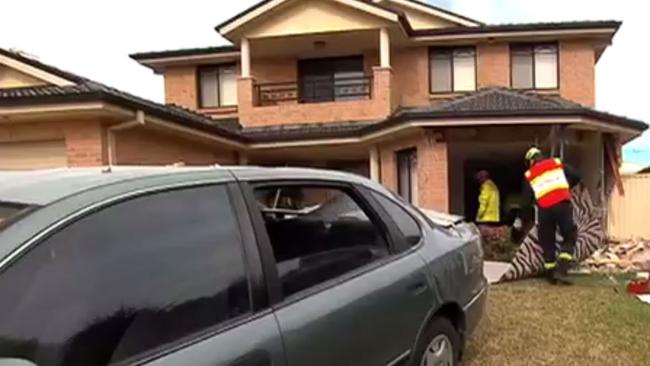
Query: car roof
point(42, 187)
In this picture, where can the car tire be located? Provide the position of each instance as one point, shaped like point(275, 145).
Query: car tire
point(440, 341)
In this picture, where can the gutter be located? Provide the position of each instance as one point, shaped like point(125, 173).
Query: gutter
point(112, 152)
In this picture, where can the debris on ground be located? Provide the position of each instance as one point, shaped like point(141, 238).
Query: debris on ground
point(620, 257)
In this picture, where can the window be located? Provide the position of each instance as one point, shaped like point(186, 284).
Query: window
point(452, 69)
point(534, 66)
point(404, 221)
point(407, 179)
point(317, 234)
point(9, 212)
point(332, 79)
point(125, 280)
point(217, 86)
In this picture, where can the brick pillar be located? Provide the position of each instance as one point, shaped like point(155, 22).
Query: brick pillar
point(85, 143)
point(245, 99)
point(433, 167)
point(382, 93)
point(493, 61)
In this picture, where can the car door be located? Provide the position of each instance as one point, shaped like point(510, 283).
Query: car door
point(349, 292)
point(163, 278)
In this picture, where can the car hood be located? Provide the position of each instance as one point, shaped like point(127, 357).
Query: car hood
point(442, 219)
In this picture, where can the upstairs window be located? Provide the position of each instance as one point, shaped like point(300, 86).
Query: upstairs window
point(332, 79)
point(534, 66)
point(452, 69)
point(217, 86)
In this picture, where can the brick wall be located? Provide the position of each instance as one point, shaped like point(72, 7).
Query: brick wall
point(432, 168)
point(409, 84)
point(146, 147)
point(493, 65)
point(411, 76)
point(181, 86)
point(274, 70)
point(578, 72)
point(85, 143)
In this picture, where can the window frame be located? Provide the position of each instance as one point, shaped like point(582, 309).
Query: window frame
point(199, 94)
point(398, 154)
point(532, 47)
point(451, 50)
point(407, 210)
point(259, 302)
point(395, 241)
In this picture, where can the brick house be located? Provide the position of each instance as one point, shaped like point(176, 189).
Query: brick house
point(411, 95)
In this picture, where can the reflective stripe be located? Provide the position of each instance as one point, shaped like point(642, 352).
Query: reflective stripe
point(548, 182)
point(550, 265)
point(565, 256)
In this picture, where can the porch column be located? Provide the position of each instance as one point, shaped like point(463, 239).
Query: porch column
point(384, 47)
point(374, 164)
point(245, 58)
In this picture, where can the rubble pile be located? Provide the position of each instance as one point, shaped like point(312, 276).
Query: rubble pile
point(625, 256)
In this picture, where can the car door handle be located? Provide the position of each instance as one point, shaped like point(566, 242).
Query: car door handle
point(255, 358)
point(417, 288)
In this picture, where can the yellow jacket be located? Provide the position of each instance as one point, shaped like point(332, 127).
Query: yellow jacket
point(488, 199)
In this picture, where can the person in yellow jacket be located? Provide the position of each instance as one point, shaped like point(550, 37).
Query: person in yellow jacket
point(488, 199)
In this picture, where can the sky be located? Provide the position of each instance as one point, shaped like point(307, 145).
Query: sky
point(94, 38)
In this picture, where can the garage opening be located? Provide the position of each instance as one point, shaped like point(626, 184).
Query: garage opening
point(501, 152)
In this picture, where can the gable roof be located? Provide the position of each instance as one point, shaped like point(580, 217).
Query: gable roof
point(257, 10)
point(36, 68)
point(437, 11)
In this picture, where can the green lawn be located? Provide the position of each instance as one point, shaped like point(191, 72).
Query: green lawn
point(592, 323)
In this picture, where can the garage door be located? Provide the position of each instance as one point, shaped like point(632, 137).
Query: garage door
point(32, 155)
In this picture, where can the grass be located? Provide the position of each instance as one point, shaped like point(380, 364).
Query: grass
point(592, 323)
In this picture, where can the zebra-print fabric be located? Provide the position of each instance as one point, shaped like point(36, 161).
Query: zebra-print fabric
point(528, 260)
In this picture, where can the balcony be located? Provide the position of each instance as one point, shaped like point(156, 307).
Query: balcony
point(315, 78)
point(318, 90)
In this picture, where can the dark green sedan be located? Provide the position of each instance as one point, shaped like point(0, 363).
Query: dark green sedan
point(229, 267)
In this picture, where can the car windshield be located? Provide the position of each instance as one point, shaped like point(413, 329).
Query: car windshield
point(11, 211)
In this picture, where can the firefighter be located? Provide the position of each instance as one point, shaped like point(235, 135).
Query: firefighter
point(488, 199)
point(549, 184)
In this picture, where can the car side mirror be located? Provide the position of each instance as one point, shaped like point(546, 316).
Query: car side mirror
point(15, 362)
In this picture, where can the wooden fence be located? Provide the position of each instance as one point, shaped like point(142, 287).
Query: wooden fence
point(629, 215)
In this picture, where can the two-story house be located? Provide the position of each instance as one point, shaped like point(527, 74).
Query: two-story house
point(411, 95)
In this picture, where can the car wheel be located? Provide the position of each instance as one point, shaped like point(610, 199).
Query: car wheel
point(439, 345)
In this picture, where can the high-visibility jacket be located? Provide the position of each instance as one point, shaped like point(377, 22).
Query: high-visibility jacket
point(488, 199)
point(549, 183)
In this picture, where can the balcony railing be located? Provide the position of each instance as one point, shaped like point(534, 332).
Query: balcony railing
point(317, 90)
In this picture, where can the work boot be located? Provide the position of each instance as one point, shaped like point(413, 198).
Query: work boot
point(549, 274)
point(561, 272)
